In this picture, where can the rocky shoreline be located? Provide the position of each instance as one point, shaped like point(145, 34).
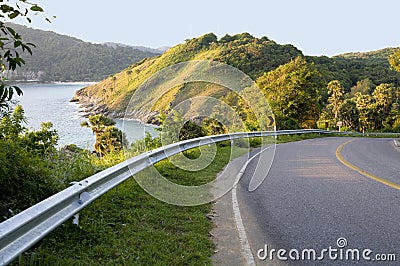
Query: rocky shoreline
point(91, 106)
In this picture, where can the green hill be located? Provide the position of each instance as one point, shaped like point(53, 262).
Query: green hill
point(62, 58)
point(253, 56)
point(352, 67)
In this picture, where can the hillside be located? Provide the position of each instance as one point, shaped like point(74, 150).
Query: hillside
point(382, 54)
point(352, 67)
point(253, 56)
point(62, 58)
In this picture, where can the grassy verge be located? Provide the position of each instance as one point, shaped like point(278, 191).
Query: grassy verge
point(298, 137)
point(370, 135)
point(127, 226)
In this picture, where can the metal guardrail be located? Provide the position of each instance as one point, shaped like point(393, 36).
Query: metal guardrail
point(23, 230)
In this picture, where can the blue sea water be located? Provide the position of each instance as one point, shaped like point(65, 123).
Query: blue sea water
point(51, 103)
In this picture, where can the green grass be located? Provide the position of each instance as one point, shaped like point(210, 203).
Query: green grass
point(298, 137)
point(127, 226)
point(370, 135)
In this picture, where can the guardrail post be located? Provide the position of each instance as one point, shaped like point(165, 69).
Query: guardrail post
point(75, 219)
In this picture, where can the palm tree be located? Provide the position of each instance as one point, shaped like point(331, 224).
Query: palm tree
point(108, 137)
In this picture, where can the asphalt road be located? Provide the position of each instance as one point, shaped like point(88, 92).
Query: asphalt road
point(310, 199)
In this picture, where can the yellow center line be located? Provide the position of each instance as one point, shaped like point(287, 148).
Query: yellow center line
point(361, 171)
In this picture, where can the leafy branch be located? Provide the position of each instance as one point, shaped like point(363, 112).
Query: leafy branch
point(11, 45)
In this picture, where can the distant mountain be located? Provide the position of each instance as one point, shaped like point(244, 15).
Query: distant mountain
point(140, 48)
point(163, 48)
point(63, 58)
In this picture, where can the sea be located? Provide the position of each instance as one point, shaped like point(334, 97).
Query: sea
point(51, 103)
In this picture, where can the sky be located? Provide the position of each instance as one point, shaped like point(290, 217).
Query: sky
point(317, 27)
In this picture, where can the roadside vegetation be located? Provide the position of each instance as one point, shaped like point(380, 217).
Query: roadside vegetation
point(126, 225)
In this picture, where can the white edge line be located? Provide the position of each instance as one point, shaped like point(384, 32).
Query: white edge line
point(396, 143)
point(238, 218)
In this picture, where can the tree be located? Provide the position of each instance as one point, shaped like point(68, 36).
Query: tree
point(383, 95)
point(293, 92)
point(213, 127)
point(364, 105)
point(383, 99)
point(335, 99)
point(363, 86)
point(394, 60)
point(108, 137)
point(110, 140)
point(207, 39)
point(175, 128)
point(191, 130)
point(349, 114)
point(11, 45)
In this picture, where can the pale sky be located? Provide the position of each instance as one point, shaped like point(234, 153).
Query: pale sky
point(317, 27)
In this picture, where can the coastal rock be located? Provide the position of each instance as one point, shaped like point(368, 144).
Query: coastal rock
point(89, 105)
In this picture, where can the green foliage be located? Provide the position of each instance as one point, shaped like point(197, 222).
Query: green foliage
point(364, 106)
point(254, 56)
point(378, 111)
point(6, 95)
point(286, 123)
point(335, 99)
point(63, 58)
point(43, 140)
point(363, 86)
point(213, 127)
point(191, 130)
point(110, 140)
point(25, 175)
point(293, 92)
point(394, 60)
point(98, 123)
point(24, 178)
point(11, 45)
point(175, 128)
point(108, 137)
point(353, 67)
point(349, 114)
point(346, 129)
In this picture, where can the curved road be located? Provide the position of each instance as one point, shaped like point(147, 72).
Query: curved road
point(310, 199)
